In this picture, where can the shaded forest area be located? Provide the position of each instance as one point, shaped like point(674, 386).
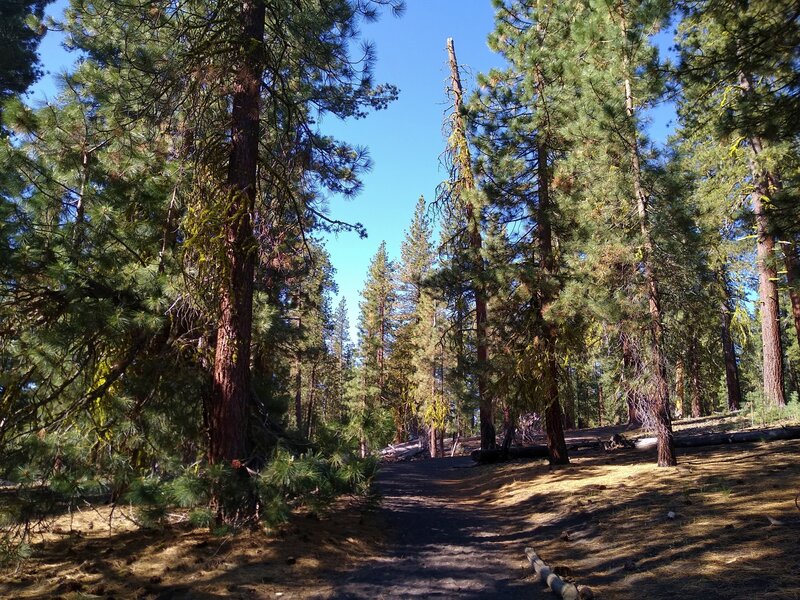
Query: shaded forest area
point(166, 320)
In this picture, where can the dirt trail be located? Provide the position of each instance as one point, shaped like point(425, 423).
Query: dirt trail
point(442, 542)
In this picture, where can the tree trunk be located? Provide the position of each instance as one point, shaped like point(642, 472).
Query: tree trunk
point(553, 423)
point(659, 404)
point(768, 304)
point(380, 352)
point(630, 360)
point(298, 392)
point(231, 383)
point(792, 263)
point(600, 405)
point(510, 429)
point(464, 162)
point(717, 439)
point(728, 350)
point(362, 438)
point(764, 185)
point(633, 418)
point(312, 392)
point(556, 444)
point(680, 388)
point(694, 378)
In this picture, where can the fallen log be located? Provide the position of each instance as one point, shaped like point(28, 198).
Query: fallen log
point(586, 445)
point(719, 439)
point(567, 591)
point(499, 455)
point(693, 441)
point(407, 454)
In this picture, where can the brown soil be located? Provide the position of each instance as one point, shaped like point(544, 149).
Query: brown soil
point(294, 561)
point(629, 529)
point(452, 530)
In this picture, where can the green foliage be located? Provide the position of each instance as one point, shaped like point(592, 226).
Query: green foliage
point(20, 32)
point(765, 414)
point(115, 200)
point(148, 496)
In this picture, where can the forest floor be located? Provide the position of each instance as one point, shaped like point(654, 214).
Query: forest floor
point(723, 525)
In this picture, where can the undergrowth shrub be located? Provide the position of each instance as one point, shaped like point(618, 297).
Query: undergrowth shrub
point(47, 475)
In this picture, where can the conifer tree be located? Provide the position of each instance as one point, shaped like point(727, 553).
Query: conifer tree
point(590, 154)
point(739, 80)
point(20, 32)
point(520, 116)
point(461, 195)
point(376, 330)
point(451, 286)
point(420, 321)
point(147, 280)
point(342, 351)
point(614, 82)
point(711, 175)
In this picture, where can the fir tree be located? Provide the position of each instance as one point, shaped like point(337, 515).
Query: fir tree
point(342, 351)
point(421, 330)
point(376, 330)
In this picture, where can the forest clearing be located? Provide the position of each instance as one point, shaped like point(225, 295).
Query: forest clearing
point(399, 298)
point(719, 527)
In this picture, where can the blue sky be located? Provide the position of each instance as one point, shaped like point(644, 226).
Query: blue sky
point(405, 141)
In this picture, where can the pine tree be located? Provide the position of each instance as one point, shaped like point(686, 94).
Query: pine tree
point(710, 175)
point(20, 32)
point(206, 128)
point(618, 80)
point(740, 86)
point(461, 195)
point(451, 287)
point(520, 116)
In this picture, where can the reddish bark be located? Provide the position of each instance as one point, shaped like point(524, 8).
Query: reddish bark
point(553, 416)
point(630, 361)
point(231, 381)
point(792, 263)
point(556, 444)
point(764, 184)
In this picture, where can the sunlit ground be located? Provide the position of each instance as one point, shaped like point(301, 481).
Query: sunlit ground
point(724, 524)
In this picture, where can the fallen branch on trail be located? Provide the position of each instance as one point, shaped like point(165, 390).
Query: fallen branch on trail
point(567, 591)
point(719, 439)
point(405, 451)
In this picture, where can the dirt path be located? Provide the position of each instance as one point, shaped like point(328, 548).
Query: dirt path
point(727, 516)
point(442, 543)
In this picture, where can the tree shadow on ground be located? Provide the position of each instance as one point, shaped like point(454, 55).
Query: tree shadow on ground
point(448, 529)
